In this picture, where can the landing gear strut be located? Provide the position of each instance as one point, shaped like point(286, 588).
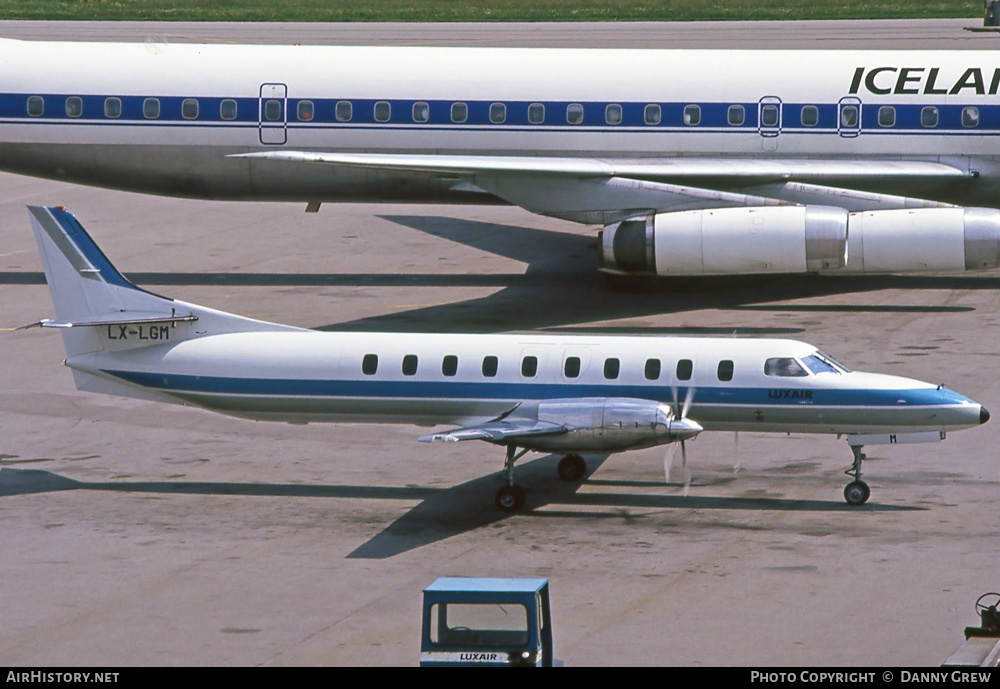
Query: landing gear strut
point(510, 498)
point(857, 491)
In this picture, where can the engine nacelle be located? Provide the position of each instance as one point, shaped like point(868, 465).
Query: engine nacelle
point(599, 424)
point(725, 241)
point(923, 239)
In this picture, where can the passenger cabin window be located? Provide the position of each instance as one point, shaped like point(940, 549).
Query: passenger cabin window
point(929, 116)
point(571, 369)
point(189, 109)
point(613, 114)
point(151, 108)
point(810, 116)
point(685, 367)
point(490, 365)
point(344, 111)
point(410, 365)
point(536, 113)
point(652, 369)
point(272, 110)
point(886, 116)
point(227, 109)
point(421, 112)
point(970, 117)
point(382, 111)
point(784, 368)
point(498, 113)
point(36, 106)
point(611, 368)
point(74, 106)
point(725, 371)
point(770, 115)
point(574, 113)
point(113, 107)
point(692, 115)
point(529, 366)
point(459, 112)
point(369, 365)
point(652, 114)
point(305, 111)
point(737, 115)
point(849, 116)
point(449, 365)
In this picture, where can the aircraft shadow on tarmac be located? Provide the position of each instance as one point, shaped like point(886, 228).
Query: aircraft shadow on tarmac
point(446, 512)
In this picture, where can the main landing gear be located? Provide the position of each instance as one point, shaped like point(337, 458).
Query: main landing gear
point(510, 498)
point(857, 491)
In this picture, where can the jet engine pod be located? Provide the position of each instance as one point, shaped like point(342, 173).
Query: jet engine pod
point(924, 239)
point(725, 241)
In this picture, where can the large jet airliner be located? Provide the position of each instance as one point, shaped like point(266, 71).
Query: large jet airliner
point(564, 394)
point(695, 161)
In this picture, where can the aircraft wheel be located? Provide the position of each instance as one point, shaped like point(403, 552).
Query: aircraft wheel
point(510, 498)
point(857, 493)
point(572, 468)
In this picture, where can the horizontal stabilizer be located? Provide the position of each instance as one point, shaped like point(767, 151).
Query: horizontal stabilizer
point(132, 320)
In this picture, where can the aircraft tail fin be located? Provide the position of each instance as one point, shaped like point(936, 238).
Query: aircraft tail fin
point(98, 309)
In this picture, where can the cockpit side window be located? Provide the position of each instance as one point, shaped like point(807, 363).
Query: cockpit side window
point(784, 367)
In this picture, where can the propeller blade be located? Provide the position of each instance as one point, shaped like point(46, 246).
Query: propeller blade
point(688, 399)
point(736, 452)
point(687, 471)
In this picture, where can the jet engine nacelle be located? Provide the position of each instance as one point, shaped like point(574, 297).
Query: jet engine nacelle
point(724, 241)
point(599, 424)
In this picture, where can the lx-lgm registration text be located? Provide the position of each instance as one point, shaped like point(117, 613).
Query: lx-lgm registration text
point(139, 332)
point(68, 677)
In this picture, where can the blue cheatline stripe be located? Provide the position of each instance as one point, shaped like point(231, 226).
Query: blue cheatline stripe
point(86, 246)
point(374, 389)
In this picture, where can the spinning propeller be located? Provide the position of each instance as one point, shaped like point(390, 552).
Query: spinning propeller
point(682, 428)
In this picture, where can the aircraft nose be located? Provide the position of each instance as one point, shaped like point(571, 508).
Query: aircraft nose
point(984, 415)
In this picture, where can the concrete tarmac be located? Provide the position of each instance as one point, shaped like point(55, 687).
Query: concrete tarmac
point(135, 533)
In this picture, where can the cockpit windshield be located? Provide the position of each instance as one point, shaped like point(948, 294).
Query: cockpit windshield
point(784, 367)
point(816, 363)
point(827, 359)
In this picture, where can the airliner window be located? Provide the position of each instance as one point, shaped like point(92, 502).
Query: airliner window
point(498, 113)
point(74, 106)
point(571, 368)
point(410, 365)
point(529, 366)
point(574, 113)
point(272, 110)
point(784, 368)
point(369, 365)
point(769, 115)
point(929, 116)
point(344, 111)
point(36, 106)
point(305, 111)
point(725, 370)
point(536, 113)
point(151, 108)
point(652, 114)
point(652, 369)
point(113, 107)
point(886, 116)
point(685, 367)
point(449, 365)
point(613, 114)
point(810, 116)
point(459, 112)
point(737, 115)
point(490, 366)
point(817, 365)
point(227, 109)
point(382, 111)
point(970, 117)
point(421, 112)
point(189, 108)
point(611, 368)
point(849, 116)
point(692, 115)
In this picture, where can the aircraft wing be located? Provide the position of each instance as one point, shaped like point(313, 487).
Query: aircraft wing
point(605, 190)
point(497, 430)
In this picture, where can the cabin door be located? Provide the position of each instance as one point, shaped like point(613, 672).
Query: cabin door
point(273, 114)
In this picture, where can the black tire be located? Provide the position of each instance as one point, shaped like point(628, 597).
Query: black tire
point(857, 493)
point(572, 468)
point(509, 498)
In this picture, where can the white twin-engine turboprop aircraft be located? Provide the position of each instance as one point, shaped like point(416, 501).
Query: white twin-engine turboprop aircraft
point(563, 394)
point(717, 161)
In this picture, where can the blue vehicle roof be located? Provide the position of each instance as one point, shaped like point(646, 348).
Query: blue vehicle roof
point(487, 584)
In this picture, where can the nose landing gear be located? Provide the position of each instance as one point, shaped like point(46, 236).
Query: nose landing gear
point(857, 491)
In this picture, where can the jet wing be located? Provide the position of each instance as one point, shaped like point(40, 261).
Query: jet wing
point(595, 190)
